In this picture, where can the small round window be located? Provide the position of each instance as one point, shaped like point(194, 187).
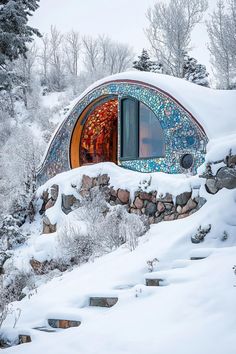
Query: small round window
point(186, 161)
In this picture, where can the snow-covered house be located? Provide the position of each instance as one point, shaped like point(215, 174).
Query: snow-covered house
point(142, 121)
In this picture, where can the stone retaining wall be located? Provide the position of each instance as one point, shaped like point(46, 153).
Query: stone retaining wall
point(156, 208)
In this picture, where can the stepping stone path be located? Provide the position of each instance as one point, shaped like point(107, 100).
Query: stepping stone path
point(56, 323)
point(24, 338)
point(103, 301)
point(95, 301)
point(154, 282)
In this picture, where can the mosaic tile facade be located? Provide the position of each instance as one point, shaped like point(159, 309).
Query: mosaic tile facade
point(182, 134)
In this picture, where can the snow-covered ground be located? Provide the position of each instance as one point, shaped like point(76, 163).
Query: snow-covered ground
point(194, 310)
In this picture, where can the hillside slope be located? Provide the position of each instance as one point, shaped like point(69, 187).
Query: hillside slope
point(194, 310)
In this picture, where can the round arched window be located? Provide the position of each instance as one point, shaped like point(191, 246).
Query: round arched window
point(186, 161)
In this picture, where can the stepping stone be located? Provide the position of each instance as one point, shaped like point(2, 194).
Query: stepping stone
point(197, 258)
point(56, 323)
point(103, 301)
point(154, 282)
point(45, 329)
point(24, 338)
point(124, 287)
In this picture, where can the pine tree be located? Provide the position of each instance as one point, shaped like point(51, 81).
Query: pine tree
point(195, 72)
point(145, 64)
point(15, 34)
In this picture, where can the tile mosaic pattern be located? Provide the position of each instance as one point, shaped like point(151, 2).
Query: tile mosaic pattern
point(182, 133)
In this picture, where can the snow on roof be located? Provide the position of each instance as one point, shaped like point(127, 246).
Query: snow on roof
point(214, 109)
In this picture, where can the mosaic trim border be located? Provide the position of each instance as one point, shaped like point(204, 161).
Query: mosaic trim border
point(182, 133)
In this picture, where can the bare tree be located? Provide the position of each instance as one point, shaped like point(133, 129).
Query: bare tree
point(91, 52)
point(124, 57)
point(56, 60)
point(222, 45)
point(73, 46)
point(103, 56)
point(169, 31)
point(105, 44)
point(24, 67)
point(44, 57)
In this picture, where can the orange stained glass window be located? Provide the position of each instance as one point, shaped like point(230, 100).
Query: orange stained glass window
point(99, 135)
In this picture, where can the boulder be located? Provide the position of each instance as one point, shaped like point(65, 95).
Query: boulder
point(123, 196)
point(38, 267)
point(169, 217)
point(150, 209)
point(45, 196)
point(166, 198)
point(200, 201)
point(211, 186)
point(145, 196)
point(168, 206)
point(113, 192)
point(179, 209)
point(160, 207)
point(50, 204)
point(191, 204)
point(54, 190)
point(87, 183)
point(68, 202)
point(138, 203)
point(103, 180)
point(226, 178)
point(48, 228)
point(183, 198)
point(230, 160)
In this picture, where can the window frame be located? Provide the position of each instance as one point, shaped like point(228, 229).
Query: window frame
point(137, 132)
point(122, 128)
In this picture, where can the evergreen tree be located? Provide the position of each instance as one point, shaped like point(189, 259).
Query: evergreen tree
point(15, 34)
point(195, 72)
point(145, 64)
point(14, 31)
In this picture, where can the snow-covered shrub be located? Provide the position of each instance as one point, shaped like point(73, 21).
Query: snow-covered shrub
point(224, 236)
point(17, 283)
point(119, 227)
point(76, 246)
point(132, 227)
point(10, 233)
point(5, 308)
point(12, 286)
point(152, 264)
point(97, 228)
point(201, 234)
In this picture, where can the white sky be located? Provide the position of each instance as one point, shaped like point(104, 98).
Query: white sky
point(122, 20)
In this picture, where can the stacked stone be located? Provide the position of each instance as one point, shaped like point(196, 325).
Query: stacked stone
point(155, 207)
point(163, 208)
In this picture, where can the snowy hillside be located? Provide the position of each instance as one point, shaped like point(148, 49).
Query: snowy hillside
point(102, 259)
point(194, 304)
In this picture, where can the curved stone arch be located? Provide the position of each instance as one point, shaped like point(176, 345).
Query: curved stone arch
point(176, 121)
